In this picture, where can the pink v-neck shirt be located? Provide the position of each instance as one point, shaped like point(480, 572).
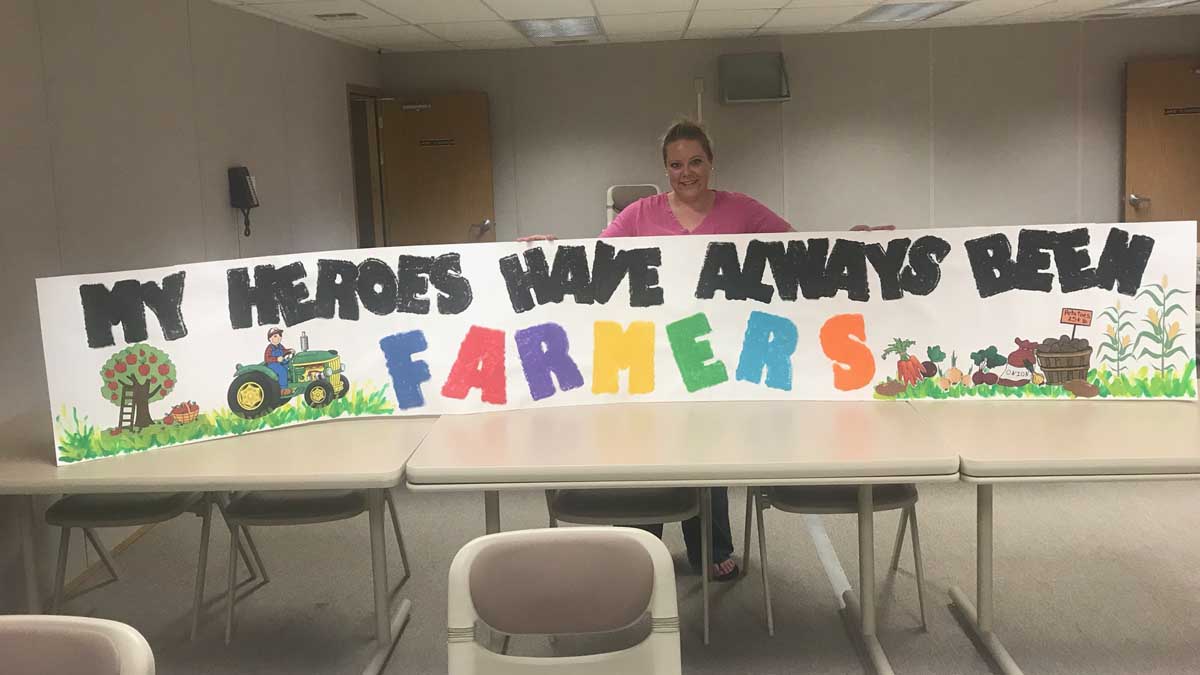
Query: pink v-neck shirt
point(731, 213)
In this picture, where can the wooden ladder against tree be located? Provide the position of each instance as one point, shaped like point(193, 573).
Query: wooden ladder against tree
point(125, 421)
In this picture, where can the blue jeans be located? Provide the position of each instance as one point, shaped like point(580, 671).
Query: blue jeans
point(280, 371)
point(722, 537)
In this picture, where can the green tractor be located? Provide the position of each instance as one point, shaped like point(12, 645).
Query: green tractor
point(316, 375)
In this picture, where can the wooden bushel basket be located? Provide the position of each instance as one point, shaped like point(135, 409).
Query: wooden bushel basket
point(1062, 367)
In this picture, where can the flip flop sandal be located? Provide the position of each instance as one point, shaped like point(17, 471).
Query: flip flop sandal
point(732, 574)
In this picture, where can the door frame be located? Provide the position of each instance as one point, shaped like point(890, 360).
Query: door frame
point(372, 95)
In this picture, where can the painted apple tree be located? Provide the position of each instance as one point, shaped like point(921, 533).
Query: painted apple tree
point(135, 377)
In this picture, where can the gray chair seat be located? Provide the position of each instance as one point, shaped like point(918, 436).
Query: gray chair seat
point(116, 510)
point(603, 507)
point(295, 508)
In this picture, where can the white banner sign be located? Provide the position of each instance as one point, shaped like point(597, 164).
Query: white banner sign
point(159, 357)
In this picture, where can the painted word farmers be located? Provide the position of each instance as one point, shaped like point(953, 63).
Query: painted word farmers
point(544, 353)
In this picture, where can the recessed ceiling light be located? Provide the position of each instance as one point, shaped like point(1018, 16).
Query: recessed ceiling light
point(580, 26)
point(340, 17)
point(905, 11)
point(1147, 4)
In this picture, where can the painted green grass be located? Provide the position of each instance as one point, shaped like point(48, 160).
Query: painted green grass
point(79, 440)
point(1142, 384)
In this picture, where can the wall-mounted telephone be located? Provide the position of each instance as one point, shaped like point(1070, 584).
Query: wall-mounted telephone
point(243, 195)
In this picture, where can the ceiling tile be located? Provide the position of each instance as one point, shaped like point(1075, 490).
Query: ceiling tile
point(795, 30)
point(606, 7)
point(709, 5)
point(868, 27)
point(437, 11)
point(641, 24)
point(718, 34)
point(989, 9)
point(305, 13)
point(802, 4)
point(392, 37)
point(1063, 8)
point(474, 30)
point(813, 16)
point(939, 22)
point(730, 19)
point(645, 37)
point(542, 9)
point(1192, 8)
point(570, 42)
point(494, 44)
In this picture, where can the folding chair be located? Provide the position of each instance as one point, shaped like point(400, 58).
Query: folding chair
point(90, 511)
point(269, 509)
point(73, 645)
point(834, 499)
point(636, 506)
point(580, 580)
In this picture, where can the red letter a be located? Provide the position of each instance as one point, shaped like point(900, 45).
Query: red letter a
point(480, 363)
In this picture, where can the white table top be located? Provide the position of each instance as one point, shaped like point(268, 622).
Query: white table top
point(339, 454)
point(731, 443)
point(1081, 440)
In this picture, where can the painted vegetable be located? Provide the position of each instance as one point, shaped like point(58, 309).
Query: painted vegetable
point(909, 369)
point(984, 360)
point(934, 365)
point(954, 374)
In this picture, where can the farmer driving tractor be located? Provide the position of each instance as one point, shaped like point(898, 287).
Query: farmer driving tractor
point(274, 357)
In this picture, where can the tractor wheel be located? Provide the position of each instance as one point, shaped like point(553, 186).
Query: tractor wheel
point(253, 395)
point(341, 393)
point(319, 394)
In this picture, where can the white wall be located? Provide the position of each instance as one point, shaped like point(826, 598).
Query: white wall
point(947, 127)
point(119, 119)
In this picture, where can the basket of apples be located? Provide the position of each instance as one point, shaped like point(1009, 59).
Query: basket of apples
point(183, 413)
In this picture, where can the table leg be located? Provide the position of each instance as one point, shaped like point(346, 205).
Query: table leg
point(387, 628)
point(705, 549)
point(865, 613)
point(866, 557)
point(981, 622)
point(491, 511)
point(27, 521)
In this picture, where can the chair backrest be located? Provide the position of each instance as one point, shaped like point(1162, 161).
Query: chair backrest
point(72, 645)
point(620, 196)
point(564, 581)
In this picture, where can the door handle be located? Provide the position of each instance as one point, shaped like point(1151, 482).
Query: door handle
point(483, 228)
point(1138, 202)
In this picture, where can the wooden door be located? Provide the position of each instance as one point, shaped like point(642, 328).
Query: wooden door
point(437, 168)
point(1162, 140)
